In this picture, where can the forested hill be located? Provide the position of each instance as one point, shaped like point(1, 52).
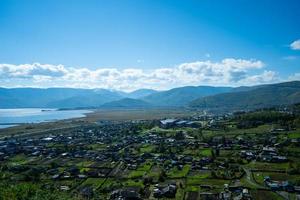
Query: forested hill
point(260, 97)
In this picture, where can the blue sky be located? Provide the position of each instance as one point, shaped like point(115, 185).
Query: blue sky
point(118, 43)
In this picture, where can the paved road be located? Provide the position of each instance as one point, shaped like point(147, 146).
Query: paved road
point(250, 179)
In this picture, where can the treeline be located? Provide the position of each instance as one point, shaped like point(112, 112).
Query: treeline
point(256, 118)
point(265, 116)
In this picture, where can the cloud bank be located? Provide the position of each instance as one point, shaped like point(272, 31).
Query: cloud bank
point(295, 45)
point(229, 72)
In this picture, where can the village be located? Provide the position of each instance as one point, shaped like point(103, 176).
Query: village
point(197, 157)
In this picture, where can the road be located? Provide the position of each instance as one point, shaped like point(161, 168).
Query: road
point(250, 179)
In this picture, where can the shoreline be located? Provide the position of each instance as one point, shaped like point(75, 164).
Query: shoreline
point(39, 116)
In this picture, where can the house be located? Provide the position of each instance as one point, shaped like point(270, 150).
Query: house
point(2, 155)
point(86, 192)
point(278, 185)
point(64, 188)
point(47, 139)
point(247, 155)
point(168, 191)
point(125, 194)
point(244, 195)
point(297, 189)
point(56, 176)
point(82, 176)
point(226, 194)
point(209, 196)
point(73, 170)
point(269, 150)
point(279, 159)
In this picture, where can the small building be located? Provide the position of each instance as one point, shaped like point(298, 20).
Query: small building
point(209, 195)
point(168, 191)
point(125, 194)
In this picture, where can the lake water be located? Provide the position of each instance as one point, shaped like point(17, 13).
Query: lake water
point(7, 125)
point(10, 117)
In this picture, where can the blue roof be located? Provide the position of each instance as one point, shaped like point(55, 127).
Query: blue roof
point(167, 121)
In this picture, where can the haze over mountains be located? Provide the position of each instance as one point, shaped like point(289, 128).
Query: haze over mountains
point(196, 97)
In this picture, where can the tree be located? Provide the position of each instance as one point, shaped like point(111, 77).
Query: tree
point(179, 135)
point(162, 176)
point(217, 151)
point(213, 174)
point(147, 180)
point(162, 147)
point(200, 133)
point(33, 175)
point(54, 164)
point(213, 154)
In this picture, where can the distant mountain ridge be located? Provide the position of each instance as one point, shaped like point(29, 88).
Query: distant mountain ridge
point(194, 97)
point(36, 97)
point(75, 98)
point(140, 93)
point(182, 95)
point(255, 98)
point(127, 103)
point(62, 97)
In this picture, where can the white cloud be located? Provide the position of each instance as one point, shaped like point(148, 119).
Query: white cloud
point(290, 58)
point(228, 71)
point(265, 77)
point(294, 77)
point(295, 45)
point(29, 70)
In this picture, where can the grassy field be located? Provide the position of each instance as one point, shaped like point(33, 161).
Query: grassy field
point(197, 178)
point(209, 181)
point(25, 130)
point(154, 172)
point(147, 148)
point(139, 114)
point(294, 134)
point(94, 182)
point(205, 152)
point(133, 183)
point(176, 173)
point(263, 195)
point(110, 184)
point(268, 166)
point(259, 176)
point(140, 171)
point(19, 159)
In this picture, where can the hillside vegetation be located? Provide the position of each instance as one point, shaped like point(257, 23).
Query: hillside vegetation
point(265, 96)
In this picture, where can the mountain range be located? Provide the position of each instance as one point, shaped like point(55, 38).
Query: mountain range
point(192, 97)
point(252, 98)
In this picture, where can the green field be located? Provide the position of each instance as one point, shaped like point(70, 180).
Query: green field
point(176, 173)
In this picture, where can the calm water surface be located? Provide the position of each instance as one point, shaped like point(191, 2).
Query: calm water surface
point(10, 117)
